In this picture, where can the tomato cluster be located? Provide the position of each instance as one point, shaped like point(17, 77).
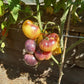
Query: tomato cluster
point(39, 46)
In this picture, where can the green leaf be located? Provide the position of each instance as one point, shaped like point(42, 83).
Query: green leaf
point(47, 2)
point(28, 10)
point(3, 24)
point(13, 2)
point(1, 3)
point(14, 12)
point(14, 8)
point(59, 5)
point(1, 8)
point(82, 7)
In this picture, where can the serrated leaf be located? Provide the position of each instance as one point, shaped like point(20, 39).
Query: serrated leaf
point(14, 8)
point(14, 12)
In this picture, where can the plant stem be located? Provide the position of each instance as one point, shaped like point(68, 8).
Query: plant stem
point(39, 15)
point(65, 44)
point(54, 60)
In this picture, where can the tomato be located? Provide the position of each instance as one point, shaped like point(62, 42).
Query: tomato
point(28, 22)
point(3, 32)
point(30, 30)
point(30, 60)
point(40, 55)
point(48, 44)
point(54, 35)
point(30, 46)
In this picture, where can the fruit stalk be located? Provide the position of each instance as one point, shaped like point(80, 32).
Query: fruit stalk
point(55, 60)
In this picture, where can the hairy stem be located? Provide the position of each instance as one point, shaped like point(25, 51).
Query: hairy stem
point(39, 15)
point(54, 60)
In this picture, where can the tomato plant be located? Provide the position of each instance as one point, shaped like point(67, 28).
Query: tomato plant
point(40, 46)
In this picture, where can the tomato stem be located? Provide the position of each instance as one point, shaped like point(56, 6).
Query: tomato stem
point(39, 15)
point(54, 59)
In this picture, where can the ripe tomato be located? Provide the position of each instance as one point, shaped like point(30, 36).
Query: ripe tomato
point(30, 60)
point(54, 35)
point(48, 44)
point(40, 55)
point(3, 32)
point(30, 30)
point(30, 46)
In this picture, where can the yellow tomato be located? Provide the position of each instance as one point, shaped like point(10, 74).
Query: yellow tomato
point(30, 30)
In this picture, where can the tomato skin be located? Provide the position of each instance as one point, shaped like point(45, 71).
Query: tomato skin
point(48, 45)
point(54, 35)
point(27, 22)
point(30, 60)
point(30, 30)
point(30, 46)
point(40, 55)
point(47, 55)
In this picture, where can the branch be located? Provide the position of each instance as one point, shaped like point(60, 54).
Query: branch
point(65, 44)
